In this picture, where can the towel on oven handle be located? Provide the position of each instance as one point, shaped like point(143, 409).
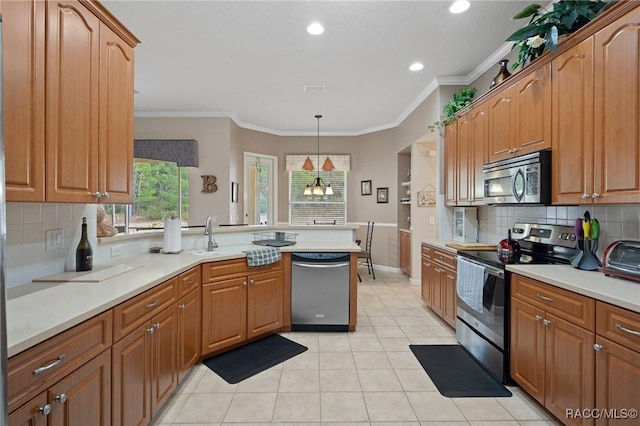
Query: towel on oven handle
point(470, 282)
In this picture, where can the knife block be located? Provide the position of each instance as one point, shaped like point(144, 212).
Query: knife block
point(588, 261)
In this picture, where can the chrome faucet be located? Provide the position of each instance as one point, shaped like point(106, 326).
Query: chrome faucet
point(208, 230)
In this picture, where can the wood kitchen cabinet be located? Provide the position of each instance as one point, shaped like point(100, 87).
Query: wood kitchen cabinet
point(438, 282)
point(405, 251)
point(189, 320)
point(450, 163)
point(239, 303)
point(79, 399)
point(552, 338)
point(462, 160)
point(89, 109)
point(23, 33)
point(478, 149)
point(520, 116)
point(145, 367)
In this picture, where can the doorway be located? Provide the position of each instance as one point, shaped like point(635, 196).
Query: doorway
point(260, 188)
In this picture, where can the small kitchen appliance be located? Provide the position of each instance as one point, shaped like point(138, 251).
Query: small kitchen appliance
point(519, 180)
point(622, 259)
point(465, 224)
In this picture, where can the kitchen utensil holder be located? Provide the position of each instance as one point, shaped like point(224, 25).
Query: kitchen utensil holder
point(588, 261)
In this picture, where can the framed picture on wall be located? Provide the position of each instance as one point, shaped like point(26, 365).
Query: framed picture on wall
point(365, 187)
point(234, 192)
point(383, 195)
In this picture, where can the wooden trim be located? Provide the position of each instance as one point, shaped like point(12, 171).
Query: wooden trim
point(111, 21)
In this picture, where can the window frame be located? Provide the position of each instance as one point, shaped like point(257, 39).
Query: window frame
point(344, 203)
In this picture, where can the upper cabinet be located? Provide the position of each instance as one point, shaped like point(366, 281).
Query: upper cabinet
point(520, 117)
point(596, 104)
point(88, 138)
point(450, 163)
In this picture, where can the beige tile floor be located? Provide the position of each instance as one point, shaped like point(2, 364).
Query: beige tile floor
point(369, 377)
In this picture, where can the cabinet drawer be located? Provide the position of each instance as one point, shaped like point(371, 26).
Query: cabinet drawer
point(130, 314)
point(188, 280)
point(445, 259)
point(566, 304)
point(39, 367)
point(618, 324)
point(225, 269)
point(426, 251)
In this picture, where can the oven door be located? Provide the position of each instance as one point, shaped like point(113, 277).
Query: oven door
point(505, 186)
point(491, 322)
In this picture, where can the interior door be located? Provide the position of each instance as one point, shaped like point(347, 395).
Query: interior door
point(260, 189)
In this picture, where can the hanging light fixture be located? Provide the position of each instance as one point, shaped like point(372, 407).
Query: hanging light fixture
point(315, 188)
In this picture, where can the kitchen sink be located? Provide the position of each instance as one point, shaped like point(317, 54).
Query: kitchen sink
point(224, 250)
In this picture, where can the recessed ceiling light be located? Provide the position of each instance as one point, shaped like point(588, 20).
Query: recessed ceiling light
point(416, 66)
point(459, 6)
point(315, 28)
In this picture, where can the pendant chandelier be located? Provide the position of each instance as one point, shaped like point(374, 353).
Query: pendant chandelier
point(316, 187)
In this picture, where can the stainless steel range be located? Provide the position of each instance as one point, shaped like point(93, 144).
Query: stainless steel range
point(482, 328)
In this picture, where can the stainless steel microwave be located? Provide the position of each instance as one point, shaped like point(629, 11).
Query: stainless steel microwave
point(519, 180)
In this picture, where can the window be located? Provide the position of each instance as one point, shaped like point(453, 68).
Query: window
point(160, 191)
point(304, 209)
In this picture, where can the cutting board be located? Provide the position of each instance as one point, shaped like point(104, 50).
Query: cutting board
point(472, 246)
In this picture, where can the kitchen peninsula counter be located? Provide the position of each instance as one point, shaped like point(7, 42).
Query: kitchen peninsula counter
point(39, 310)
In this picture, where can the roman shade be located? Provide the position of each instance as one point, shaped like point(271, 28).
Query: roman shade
point(294, 162)
point(183, 152)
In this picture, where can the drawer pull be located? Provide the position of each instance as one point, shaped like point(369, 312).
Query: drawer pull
point(546, 322)
point(190, 281)
point(157, 326)
point(244, 283)
point(597, 347)
point(152, 304)
point(61, 398)
point(151, 330)
point(252, 282)
point(545, 298)
point(182, 307)
point(626, 330)
point(538, 317)
point(49, 366)
point(46, 410)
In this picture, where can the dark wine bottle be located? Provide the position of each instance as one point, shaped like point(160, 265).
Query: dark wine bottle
point(84, 252)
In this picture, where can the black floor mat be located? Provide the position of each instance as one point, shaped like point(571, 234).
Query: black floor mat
point(455, 373)
point(243, 362)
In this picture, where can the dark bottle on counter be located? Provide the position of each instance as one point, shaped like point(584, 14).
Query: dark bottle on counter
point(84, 253)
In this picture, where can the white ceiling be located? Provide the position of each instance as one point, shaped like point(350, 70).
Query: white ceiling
point(249, 60)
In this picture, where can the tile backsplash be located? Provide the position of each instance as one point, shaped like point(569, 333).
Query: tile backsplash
point(616, 222)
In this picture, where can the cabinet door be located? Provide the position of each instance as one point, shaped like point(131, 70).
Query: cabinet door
point(617, 379)
point(425, 280)
point(405, 252)
point(164, 357)
point(131, 365)
point(115, 157)
point(449, 296)
point(83, 397)
point(264, 303)
point(533, 100)
point(436, 290)
point(224, 314)
point(617, 108)
point(572, 157)
point(527, 348)
point(570, 363)
point(502, 115)
point(463, 158)
point(72, 102)
point(32, 413)
point(188, 332)
point(450, 163)
point(23, 98)
point(478, 146)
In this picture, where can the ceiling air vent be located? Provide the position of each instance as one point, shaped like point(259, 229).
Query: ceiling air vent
point(313, 88)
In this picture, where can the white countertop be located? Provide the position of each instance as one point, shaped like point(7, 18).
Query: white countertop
point(38, 311)
point(595, 284)
point(440, 244)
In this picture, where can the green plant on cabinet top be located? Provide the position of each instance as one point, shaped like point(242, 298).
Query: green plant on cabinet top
point(459, 101)
point(545, 27)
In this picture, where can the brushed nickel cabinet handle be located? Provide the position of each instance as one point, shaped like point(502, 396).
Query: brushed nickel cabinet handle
point(151, 330)
point(545, 298)
point(546, 322)
point(597, 347)
point(244, 283)
point(190, 281)
point(252, 282)
point(595, 195)
point(45, 411)
point(95, 194)
point(182, 307)
point(49, 366)
point(152, 304)
point(157, 326)
point(585, 196)
point(62, 398)
point(538, 317)
point(626, 330)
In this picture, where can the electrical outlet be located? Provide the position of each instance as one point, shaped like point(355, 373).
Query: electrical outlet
point(116, 251)
point(432, 220)
point(54, 239)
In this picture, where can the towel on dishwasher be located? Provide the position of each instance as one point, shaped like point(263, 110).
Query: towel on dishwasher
point(470, 282)
point(262, 256)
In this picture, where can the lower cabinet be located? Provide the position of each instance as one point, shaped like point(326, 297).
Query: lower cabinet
point(145, 369)
point(240, 305)
point(81, 398)
point(552, 347)
point(405, 251)
point(188, 332)
point(438, 282)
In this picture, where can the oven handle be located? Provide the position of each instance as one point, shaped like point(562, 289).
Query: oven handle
point(489, 269)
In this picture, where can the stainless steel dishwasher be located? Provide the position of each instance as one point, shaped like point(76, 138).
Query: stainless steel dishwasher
point(320, 291)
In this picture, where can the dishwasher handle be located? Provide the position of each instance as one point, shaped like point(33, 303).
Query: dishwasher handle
point(320, 265)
